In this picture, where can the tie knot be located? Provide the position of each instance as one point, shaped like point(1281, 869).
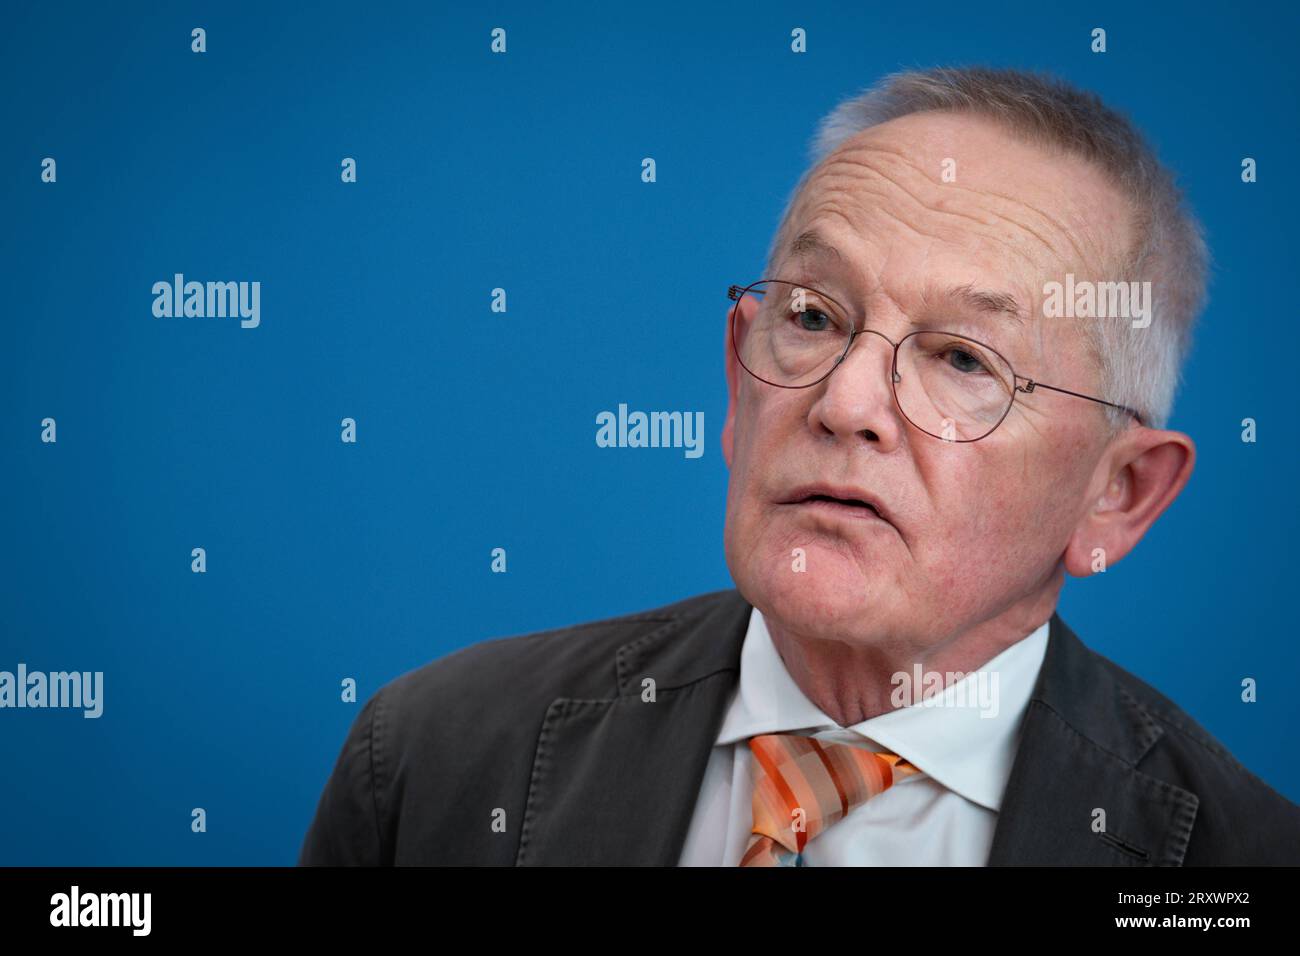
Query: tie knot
point(803, 785)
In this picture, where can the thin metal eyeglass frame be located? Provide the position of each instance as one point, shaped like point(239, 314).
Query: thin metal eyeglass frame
point(735, 292)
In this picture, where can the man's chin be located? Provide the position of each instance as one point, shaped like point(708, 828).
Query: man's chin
point(817, 605)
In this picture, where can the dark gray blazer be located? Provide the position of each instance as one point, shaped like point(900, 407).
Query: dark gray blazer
point(547, 734)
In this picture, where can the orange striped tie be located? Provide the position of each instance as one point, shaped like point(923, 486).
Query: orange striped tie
point(804, 785)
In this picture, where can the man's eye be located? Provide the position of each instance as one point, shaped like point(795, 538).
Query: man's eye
point(812, 320)
point(964, 361)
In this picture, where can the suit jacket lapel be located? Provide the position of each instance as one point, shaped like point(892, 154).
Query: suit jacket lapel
point(1075, 772)
point(615, 779)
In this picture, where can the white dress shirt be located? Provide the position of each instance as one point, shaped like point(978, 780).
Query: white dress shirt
point(943, 816)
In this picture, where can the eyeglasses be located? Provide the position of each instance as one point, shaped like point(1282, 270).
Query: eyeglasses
point(949, 386)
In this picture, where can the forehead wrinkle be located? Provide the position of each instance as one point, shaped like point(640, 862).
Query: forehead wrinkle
point(1057, 225)
point(1014, 202)
point(824, 208)
point(983, 227)
point(842, 157)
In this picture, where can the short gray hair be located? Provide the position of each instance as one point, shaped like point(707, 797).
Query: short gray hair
point(1139, 368)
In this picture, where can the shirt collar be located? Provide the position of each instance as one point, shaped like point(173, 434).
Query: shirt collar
point(958, 746)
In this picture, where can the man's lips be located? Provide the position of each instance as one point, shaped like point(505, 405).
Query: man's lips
point(850, 502)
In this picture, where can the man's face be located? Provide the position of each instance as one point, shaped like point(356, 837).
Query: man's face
point(972, 528)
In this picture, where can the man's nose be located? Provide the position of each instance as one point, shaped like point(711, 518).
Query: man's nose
point(857, 399)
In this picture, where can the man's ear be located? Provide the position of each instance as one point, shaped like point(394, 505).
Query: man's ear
point(733, 386)
point(1141, 474)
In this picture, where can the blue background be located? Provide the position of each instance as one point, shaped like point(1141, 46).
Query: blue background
point(476, 430)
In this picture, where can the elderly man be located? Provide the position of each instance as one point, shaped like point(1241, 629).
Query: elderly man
point(922, 444)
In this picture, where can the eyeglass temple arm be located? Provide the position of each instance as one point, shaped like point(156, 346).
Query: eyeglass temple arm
point(1030, 385)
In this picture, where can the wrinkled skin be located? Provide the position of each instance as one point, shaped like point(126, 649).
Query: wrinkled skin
point(979, 535)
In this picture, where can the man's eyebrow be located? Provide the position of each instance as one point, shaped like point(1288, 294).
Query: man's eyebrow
point(982, 300)
point(811, 243)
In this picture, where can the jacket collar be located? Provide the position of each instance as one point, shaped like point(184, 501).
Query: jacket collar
point(1075, 795)
point(615, 780)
